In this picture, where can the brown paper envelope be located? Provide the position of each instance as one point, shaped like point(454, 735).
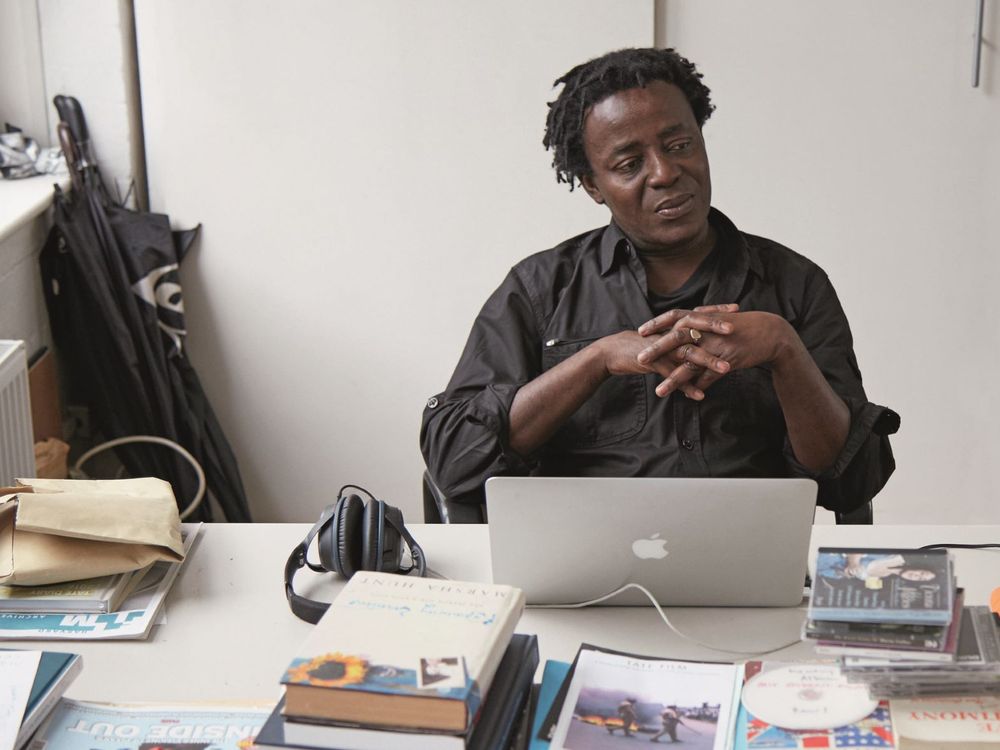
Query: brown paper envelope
point(68, 529)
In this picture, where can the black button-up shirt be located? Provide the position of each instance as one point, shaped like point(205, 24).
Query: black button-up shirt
point(554, 303)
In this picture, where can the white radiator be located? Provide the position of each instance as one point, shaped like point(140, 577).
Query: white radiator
point(17, 447)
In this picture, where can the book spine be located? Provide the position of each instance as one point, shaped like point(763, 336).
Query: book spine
point(497, 645)
point(553, 678)
point(47, 700)
point(498, 721)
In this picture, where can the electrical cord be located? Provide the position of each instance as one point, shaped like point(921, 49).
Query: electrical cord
point(199, 472)
point(663, 616)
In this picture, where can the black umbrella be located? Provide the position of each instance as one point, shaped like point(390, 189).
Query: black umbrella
point(112, 290)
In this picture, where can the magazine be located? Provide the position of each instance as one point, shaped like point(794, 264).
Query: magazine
point(78, 725)
point(612, 696)
point(139, 612)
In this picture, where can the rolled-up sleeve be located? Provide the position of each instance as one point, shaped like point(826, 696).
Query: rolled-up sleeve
point(866, 462)
point(464, 432)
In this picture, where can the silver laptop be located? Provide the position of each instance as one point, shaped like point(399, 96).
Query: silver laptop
point(690, 542)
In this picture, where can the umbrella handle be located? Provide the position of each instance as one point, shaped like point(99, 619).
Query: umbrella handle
point(71, 113)
point(71, 154)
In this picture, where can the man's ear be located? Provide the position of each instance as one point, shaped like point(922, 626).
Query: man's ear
point(588, 184)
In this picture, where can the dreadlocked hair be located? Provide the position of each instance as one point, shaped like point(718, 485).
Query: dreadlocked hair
point(595, 80)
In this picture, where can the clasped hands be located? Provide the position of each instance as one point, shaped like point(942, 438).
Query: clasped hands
point(729, 340)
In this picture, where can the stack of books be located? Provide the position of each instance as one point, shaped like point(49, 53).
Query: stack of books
point(406, 662)
point(896, 619)
point(123, 605)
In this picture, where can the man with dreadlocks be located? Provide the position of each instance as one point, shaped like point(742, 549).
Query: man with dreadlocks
point(668, 343)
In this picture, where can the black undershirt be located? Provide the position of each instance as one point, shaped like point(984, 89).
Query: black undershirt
point(688, 295)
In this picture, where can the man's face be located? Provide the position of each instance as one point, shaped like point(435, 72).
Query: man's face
point(649, 166)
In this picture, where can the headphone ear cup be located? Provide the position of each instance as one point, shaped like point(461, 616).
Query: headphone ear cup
point(347, 558)
point(372, 531)
point(392, 542)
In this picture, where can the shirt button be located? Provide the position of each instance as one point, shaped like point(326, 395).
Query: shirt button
point(432, 402)
point(688, 444)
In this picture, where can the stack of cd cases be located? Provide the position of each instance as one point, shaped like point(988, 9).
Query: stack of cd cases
point(896, 619)
point(975, 670)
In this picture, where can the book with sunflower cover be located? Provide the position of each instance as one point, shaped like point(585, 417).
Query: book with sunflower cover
point(403, 652)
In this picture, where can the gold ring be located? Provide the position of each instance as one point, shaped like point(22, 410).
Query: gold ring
point(695, 334)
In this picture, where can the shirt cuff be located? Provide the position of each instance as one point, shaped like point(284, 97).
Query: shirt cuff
point(866, 419)
point(492, 408)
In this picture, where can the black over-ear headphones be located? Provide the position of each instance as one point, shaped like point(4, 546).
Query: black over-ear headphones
point(352, 536)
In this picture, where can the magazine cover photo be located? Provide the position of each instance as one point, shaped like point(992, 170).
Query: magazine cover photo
point(615, 700)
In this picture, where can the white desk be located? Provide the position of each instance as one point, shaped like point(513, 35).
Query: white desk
point(229, 633)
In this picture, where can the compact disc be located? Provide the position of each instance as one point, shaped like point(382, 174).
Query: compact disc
point(806, 696)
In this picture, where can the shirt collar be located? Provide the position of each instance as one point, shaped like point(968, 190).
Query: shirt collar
point(735, 260)
point(614, 246)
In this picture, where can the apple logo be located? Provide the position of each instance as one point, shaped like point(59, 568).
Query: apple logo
point(652, 548)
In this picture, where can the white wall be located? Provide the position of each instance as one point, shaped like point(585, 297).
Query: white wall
point(366, 173)
point(850, 132)
point(88, 51)
point(309, 141)
point(22, 103)
point(22, 100)
point(83, 48)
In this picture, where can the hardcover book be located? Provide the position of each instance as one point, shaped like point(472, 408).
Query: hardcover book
point(492, 730)
point(968, 723)
point(404, 652)
point(883, 585)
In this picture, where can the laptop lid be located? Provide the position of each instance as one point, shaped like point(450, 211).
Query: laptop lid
point(691, 542)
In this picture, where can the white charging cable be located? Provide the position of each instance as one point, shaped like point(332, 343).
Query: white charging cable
point(663, 615)
point(199, 472)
